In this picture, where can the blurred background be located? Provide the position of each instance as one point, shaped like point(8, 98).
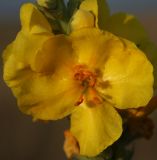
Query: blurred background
point(22, 139)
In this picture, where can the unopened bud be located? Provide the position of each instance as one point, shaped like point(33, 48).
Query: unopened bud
point(71, 146)
point(82, 19)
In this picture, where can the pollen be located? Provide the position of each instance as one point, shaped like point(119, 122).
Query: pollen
point(84, 76)
point(87, 80)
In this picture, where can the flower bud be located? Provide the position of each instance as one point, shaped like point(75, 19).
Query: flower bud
point(70, 147)
point(82, 19)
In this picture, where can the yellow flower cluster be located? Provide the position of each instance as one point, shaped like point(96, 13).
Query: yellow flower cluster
point(89, 74)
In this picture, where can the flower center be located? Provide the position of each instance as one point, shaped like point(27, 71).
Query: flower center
point(87, 80)
point(85, 77)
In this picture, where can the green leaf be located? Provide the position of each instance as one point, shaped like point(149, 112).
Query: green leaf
point(57, 8)
point(56, 14)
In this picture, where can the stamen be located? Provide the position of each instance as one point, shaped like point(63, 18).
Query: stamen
point(87, 80)
point(84, 76)
point(79, 101)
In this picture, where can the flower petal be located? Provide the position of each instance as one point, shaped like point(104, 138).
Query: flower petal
point(128, 77)
point(21, 53)
point(82, 19)
point(46, 97)
point(127, 26)
point(100, 10)
point(95, 128)
point(55, 52)
point(89, 46)
point(42, 95)
point(32, 20)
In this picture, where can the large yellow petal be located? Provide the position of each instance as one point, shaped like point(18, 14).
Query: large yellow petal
point(95, 127)
point(127, 26)
point(91, 46)
point(32, 20)
point(55, 52)
point(100, 10)
point(21, 53)
point(46, 97)
point(127, 77)
point(40, 93)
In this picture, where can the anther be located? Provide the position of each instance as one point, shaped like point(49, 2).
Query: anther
point(85, 77)
point(81, 99)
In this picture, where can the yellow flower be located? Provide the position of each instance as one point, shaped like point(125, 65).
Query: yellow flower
point(128, 26)
point(87, 74)
point(124, 25)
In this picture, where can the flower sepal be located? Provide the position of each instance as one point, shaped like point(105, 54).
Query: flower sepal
point(56, 13)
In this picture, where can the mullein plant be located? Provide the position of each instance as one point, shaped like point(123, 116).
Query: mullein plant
point(76, 60)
